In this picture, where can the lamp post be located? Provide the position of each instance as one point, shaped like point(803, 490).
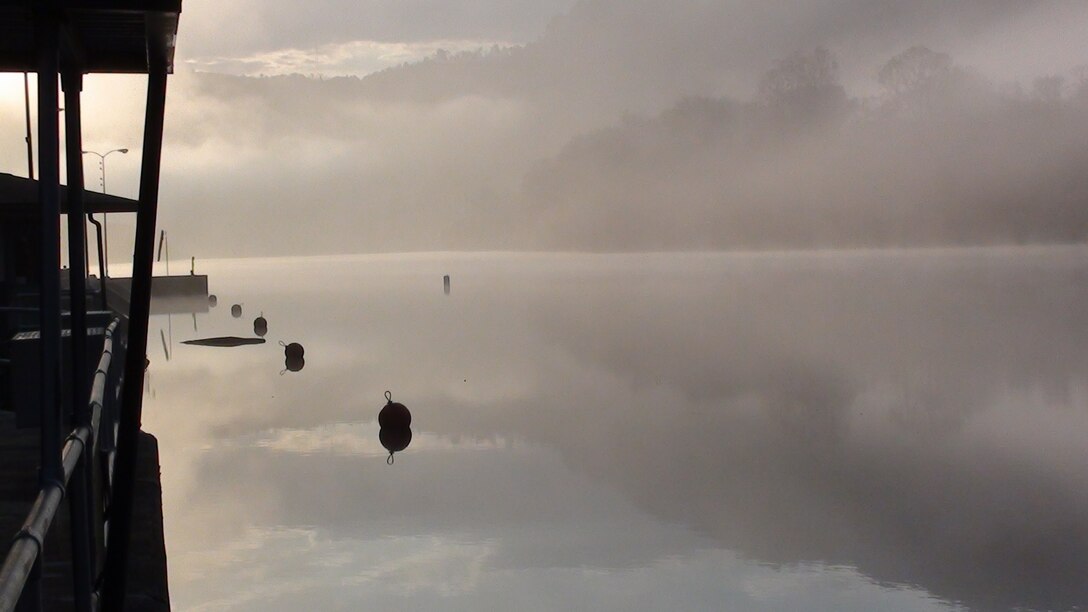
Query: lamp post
point(105, 217)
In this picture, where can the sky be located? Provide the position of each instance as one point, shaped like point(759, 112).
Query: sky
point(440, 125)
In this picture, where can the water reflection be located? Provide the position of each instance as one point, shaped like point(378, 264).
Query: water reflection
point(293, 364)
point(260, 325)
point(917, 416)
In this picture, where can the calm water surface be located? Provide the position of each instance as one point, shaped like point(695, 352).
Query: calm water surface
point(842, 431)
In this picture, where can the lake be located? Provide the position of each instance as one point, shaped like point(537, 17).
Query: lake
point(892, 430)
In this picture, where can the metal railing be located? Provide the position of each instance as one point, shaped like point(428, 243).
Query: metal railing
point(22, 567)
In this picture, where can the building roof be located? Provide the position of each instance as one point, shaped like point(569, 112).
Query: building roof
point(118, 36)
point(19, 196)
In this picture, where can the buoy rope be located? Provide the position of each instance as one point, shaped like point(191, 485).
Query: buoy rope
point(389, 460)
point(388, 396)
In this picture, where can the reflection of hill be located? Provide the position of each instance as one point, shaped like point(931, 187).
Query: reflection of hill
point(913, 423)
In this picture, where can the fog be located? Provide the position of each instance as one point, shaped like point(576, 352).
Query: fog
point(602, 125)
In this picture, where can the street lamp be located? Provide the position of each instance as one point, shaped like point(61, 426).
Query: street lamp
point(105, 218)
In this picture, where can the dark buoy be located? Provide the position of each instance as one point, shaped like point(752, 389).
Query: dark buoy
point(394, 414)
point(236, 311)
point(293, 350)
point(294, 364)
point(395, 433)
point(212, 300)
point(260, 325)
point(446, 284)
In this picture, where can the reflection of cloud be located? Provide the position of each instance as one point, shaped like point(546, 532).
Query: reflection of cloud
point(281, 563)
point(293, 569)
point(355, 439)
point(449, 568)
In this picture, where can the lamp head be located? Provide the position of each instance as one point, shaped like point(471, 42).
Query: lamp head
point(123, 150)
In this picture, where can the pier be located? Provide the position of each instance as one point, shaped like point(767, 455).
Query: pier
point(80, 497)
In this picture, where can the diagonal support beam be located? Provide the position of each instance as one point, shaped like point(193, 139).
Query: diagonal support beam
point(117, 550)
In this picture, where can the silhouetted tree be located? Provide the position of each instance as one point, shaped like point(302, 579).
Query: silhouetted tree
point(806, 85)
point(922, 83)
point(914, 69)
point(1080, 74)
point(1048, 89)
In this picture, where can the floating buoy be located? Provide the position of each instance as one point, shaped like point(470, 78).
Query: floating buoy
point(260, 325)
point(446, 284)
point(293, 350)
point(236, 311)
point(212, 300)
point(394, 419)
point(394, 414)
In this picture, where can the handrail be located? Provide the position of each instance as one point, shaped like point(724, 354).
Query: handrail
point(27, 545)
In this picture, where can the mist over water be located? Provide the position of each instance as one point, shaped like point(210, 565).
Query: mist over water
point(851, 430)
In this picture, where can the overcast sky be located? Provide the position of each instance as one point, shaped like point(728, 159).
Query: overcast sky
point(449, 154)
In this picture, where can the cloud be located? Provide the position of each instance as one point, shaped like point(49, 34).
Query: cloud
point(241, 29)
point(355, 58)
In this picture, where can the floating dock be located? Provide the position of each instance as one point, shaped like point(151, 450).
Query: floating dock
point(179, 294)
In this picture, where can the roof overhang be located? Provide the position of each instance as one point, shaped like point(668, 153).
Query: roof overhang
point(19, 198)
point(98, 36)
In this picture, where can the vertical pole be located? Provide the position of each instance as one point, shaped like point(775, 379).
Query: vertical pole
point(79, 502)
point(49, 194)
point(86, 249)
point(143, 258)
point(49, 289)
point(105, 224)
point(29, 140)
